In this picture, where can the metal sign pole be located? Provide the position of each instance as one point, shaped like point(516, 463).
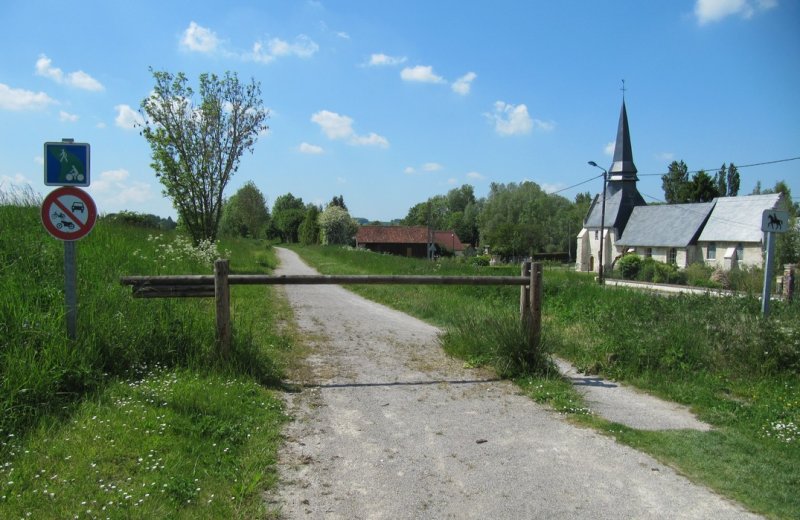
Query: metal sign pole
point(71, 287)
point(768, 274)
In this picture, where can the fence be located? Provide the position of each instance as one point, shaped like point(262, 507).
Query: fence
point(218, 286)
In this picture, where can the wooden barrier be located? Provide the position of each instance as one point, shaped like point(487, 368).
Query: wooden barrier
point(218, 286)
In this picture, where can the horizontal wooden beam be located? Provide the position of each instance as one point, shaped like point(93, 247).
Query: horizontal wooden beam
point(172, 291)
point(256, 279)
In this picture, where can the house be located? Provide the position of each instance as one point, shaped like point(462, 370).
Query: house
point(668, 233)
point(725, 232)
point(735, 227)
point(412, 241)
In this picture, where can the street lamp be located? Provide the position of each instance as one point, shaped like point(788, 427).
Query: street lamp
point(602, 220)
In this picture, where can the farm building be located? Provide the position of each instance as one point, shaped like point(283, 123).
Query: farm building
point(725, 232)
point(412, 241)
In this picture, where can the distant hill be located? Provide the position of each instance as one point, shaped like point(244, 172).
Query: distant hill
point(364, 222)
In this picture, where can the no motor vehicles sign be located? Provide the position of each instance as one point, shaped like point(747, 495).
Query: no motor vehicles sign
point(68, 213)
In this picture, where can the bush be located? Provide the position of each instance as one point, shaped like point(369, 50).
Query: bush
point(480, 260)
point(629, 266)
point(698, 274)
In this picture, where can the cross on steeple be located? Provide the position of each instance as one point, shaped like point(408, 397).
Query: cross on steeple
point(623, 89)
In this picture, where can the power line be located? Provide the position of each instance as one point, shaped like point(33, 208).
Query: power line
point(737, 166)
point(576, 185)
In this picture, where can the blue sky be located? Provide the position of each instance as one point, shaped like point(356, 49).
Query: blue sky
point(388, 103)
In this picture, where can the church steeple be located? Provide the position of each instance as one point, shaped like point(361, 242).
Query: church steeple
point(623, 168)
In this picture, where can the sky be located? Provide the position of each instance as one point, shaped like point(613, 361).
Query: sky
point(389, 103)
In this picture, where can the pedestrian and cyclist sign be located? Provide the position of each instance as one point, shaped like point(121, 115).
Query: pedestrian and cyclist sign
point(68, 213)
point(66, 164)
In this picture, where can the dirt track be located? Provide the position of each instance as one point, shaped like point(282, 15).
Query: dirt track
point(387, 426)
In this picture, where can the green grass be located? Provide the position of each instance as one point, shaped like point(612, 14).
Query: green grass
point(139, 415)
point(736, 370)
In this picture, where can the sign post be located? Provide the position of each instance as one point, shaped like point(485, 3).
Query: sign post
point(772, 221)
point(68, 213)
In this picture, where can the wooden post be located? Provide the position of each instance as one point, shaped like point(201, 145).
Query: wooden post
point(222, 297)
point(535, 330)
point(525, 296)
point(788, 282)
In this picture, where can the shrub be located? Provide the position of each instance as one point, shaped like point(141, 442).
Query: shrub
point(647, 270)
point(480, 261)
point(629, 266)
point(698, 274)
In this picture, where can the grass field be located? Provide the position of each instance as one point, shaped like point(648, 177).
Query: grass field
point(717, 355)
point(138, 417)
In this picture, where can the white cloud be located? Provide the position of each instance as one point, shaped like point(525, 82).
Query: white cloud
point(372, 139)
point(665, 156)
point(343, 35)
point(341, 180)
point(39, 160)
point(409, 170)
point(199, 39)
point(380, 59)
point(510, 119)
point(463, 84)
point(475, 176)
point(101, 124)
point(127, 117)
point(432, 167)
point(421, 74)
point(339, 127)
point(552, 188)
point(708, 11)
point(113, 189)
point(303, 47)
point(609, 148)
point(67, 117)
point(452, 181)
point(310, 149)
point(19, 99)
point(18, 181)
point(78, 79)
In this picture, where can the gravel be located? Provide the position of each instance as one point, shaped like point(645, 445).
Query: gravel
point(388, 426)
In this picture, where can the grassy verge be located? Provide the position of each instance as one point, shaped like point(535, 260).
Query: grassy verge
point(737, 371)
point(139, 417)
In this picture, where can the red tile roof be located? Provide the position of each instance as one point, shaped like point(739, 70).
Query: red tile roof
point(406, 235)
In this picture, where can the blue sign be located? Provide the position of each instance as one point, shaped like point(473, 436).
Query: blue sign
point(66, 164)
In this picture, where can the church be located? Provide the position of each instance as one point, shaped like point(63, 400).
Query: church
point(724, 233)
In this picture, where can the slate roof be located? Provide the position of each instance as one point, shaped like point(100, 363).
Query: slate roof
point(407, 235)
point(623, 168)
point(669, 225)
point(738, 219)
point(621, 198)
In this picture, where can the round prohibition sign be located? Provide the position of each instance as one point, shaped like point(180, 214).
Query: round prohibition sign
point(68, 213)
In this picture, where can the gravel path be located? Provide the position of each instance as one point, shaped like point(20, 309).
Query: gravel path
point(387, 426)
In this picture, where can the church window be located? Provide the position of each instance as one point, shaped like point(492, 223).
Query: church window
point(596, 235)
point(648, 252)
point(739, 252)
point(712, 251)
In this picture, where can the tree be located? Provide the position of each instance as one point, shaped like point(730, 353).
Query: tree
point(288, 213)
point(721, 181)
point(675, 183)
point(245, 213)
point(338, 201)
point(702, 188)
point(732, 181)
point(337, 226)
point(309, 229)
point(196, 145)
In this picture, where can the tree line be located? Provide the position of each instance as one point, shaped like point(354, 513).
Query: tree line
point(197, 140)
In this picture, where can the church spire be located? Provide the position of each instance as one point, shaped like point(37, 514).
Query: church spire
point(623, 168)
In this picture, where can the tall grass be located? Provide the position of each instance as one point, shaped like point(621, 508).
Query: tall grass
point(43, 372)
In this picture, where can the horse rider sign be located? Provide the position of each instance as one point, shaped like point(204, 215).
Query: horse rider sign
point(775, 221)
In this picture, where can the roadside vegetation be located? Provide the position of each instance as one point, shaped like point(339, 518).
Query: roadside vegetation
point(139, 417)
point(737, 371)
